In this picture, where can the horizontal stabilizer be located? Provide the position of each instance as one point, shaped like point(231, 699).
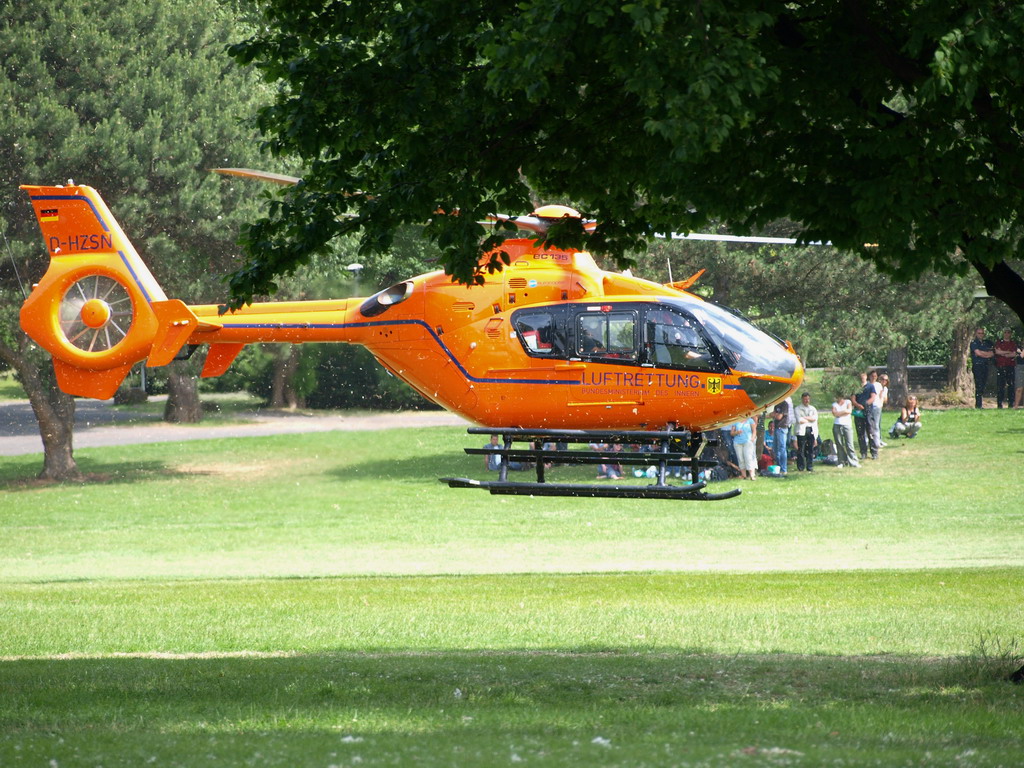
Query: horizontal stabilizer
point(685, 285)
point(175, 324)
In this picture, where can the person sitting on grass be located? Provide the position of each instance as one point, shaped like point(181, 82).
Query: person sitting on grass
point(909, 422)
point(611, 471)
point(494, 460)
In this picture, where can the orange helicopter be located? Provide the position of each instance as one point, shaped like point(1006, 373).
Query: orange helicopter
point(551, 350)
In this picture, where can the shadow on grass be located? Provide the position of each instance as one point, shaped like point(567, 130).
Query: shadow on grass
point(410, 468)
point(1015, 429)
point(432, 468)
point(396, 704)
point(23, 475)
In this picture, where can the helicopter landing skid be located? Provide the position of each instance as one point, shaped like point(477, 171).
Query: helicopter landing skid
point(683, 492)
point(667, 453)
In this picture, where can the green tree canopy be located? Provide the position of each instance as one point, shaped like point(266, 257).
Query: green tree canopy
point(867, 121)
point(139, 100)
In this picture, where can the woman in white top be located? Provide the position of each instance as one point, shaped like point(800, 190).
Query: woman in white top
point(842, 431)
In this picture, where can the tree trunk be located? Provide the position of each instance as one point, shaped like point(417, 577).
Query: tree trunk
point(899, 379)
point(57, 427)
point(958, 378)
point(721, 287)
point(805, 355)
point(291, 394)
point(54, 410)
point(277, 379)
point(282, 387)
point(183, 404)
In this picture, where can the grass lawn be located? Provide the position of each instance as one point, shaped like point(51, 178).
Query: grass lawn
point(10, 389)
point(322, 600)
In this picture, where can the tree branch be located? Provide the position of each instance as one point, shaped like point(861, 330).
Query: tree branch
point(1004, 283)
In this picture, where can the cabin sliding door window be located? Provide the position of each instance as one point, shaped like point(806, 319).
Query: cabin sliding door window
point(607, 336)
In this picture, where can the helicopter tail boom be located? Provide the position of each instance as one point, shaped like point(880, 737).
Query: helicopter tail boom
point(99, 310)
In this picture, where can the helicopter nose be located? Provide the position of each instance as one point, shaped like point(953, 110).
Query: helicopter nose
point(765, 393)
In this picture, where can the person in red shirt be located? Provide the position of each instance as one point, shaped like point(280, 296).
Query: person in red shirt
point(1006, 363)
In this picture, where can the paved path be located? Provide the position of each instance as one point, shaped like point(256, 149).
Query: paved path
point(97, 424)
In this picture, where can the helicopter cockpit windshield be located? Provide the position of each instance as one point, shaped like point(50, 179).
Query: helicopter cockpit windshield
point(744, 347)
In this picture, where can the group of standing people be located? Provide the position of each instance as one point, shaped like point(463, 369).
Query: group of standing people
point(867, 413)
point(799, 425)
point(857, 417)
point(864, 409)
point(856, 429)
point(1007, 356)
point(859, 413)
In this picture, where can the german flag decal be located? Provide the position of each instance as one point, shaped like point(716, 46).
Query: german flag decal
point(48, 215)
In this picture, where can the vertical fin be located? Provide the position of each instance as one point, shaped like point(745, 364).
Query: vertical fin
point(79, 382)
point(75, 221)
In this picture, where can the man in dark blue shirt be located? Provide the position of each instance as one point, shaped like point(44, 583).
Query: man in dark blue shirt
point(867, 399)
point(981, 351)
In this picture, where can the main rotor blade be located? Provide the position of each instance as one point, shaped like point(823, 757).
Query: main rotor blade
point(537, 224)
point(534, 224)
point(529, 223)
point(249, 173)
point(738, 238)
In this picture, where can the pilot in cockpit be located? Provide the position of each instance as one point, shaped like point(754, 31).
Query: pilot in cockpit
point(674, 340)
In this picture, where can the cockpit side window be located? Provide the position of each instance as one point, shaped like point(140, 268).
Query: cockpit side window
point(607, 336)
point(540, 333)
point(673, 340)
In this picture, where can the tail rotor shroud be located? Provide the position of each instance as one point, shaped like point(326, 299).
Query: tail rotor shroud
point(96, 313)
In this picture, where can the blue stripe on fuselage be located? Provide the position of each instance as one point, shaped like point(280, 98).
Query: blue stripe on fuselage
point(433, 334)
